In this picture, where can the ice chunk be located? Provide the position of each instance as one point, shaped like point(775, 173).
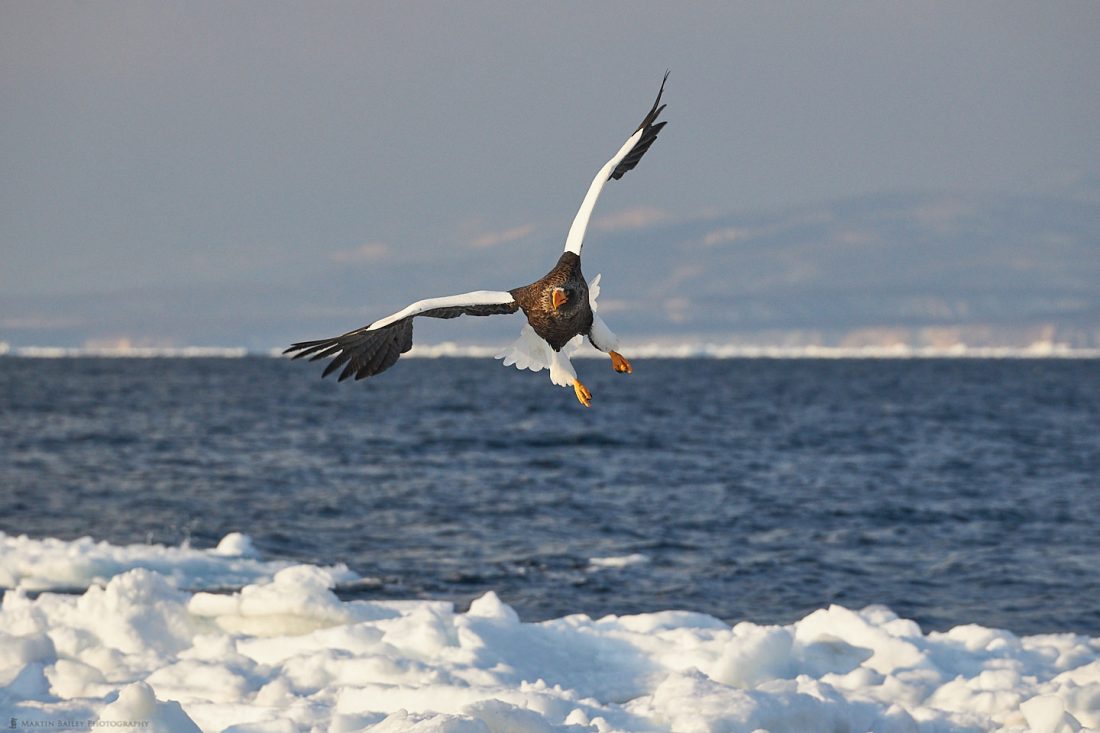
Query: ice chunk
point(1047, 714)
point(236, 544)
point(138, 708)
point(299, 599)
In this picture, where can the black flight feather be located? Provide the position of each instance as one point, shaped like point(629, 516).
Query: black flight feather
point(364, 352)
point(649, 134)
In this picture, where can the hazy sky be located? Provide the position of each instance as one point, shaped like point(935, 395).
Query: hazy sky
point(263, 148)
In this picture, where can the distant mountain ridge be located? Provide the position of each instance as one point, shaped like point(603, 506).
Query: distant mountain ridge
point(922, 270)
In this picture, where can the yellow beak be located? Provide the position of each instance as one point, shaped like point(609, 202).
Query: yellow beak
point(557, 298)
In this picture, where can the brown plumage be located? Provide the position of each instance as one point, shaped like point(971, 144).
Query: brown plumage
point(558, 326)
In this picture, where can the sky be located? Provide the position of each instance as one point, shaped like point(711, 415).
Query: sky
point(258, 172)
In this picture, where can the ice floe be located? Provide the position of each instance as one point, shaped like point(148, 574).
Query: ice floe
point(639, 349)
point(282, 654)
point(720, 350)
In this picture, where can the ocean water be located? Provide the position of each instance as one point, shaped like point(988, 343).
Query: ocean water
point(952, 491)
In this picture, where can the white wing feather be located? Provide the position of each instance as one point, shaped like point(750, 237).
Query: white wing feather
point(575, 239)
point(635, 147)
point(478, 297)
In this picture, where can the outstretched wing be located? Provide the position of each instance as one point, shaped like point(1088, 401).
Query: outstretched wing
point(373, 349)
point(628, 156)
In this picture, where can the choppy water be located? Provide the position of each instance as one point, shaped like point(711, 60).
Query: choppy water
point(952, 491)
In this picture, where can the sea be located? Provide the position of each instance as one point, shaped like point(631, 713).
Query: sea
point(953, 491)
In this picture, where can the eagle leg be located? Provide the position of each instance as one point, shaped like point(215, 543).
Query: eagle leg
point(619, 363)
point(583, 395)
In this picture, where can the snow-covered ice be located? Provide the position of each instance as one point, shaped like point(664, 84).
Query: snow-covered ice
point(644, 350)
point(41, 564)
point(710, 350)
point(284, 654)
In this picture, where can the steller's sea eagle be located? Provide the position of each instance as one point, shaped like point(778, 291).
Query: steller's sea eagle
point(560, 307)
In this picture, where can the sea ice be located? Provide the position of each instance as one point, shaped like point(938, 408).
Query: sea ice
point(52, 564)
point(285, 654)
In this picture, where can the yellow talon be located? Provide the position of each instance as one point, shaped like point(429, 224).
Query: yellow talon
point(583, 395)
point(619, 363)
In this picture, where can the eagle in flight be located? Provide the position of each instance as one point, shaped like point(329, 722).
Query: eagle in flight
point(560, 307)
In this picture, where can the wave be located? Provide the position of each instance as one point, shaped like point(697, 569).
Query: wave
point(285, 653)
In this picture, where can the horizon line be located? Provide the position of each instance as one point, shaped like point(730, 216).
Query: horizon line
point(644, 350)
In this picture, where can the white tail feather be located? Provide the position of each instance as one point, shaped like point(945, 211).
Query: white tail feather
point(529, 351)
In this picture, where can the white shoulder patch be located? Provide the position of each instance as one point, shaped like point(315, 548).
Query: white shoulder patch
point(477, 297)
point(594, 291)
